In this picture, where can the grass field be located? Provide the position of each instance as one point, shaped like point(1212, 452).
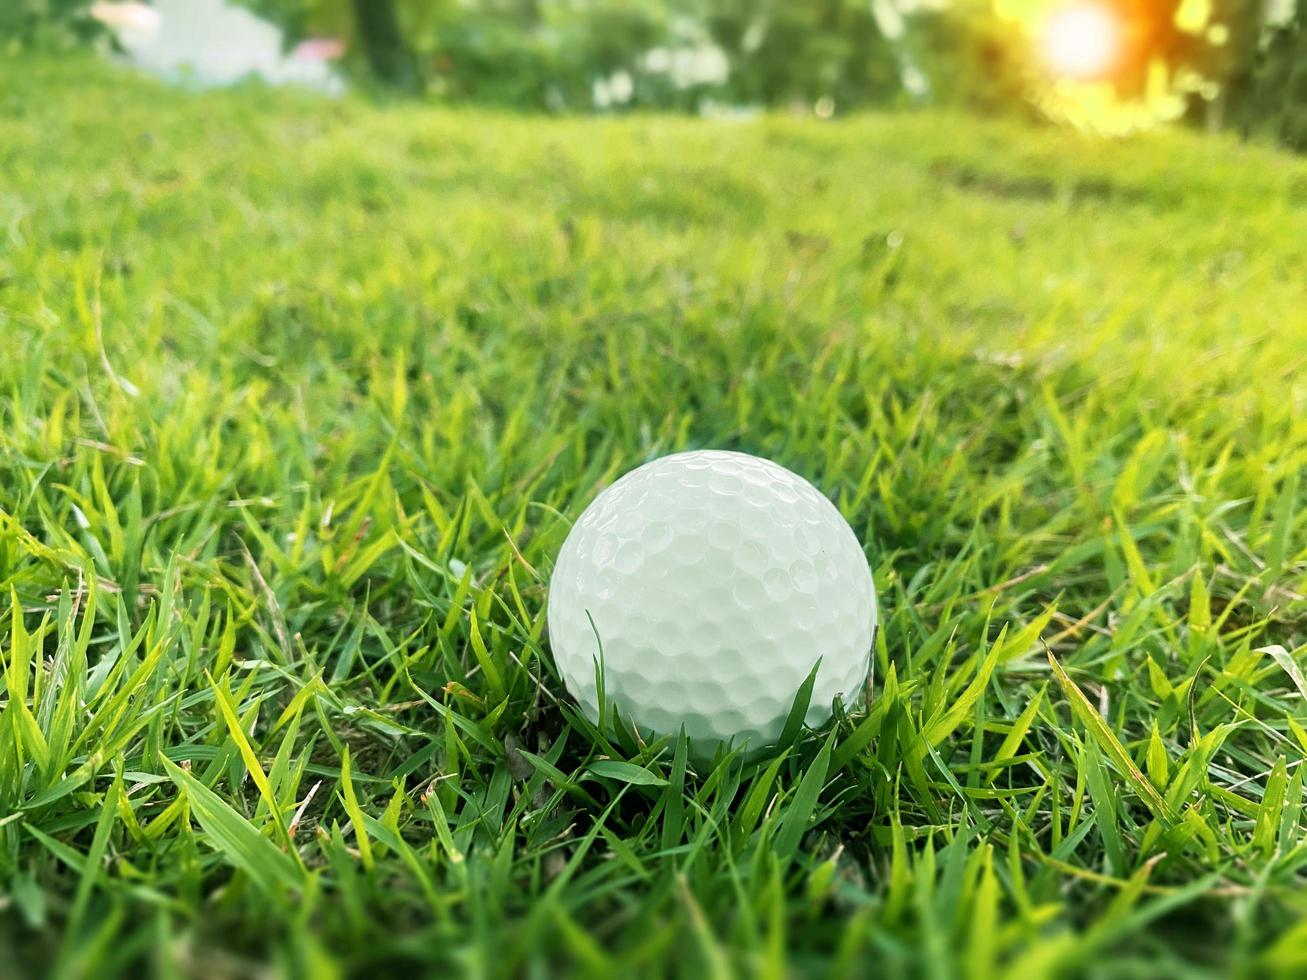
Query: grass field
point(300, 396)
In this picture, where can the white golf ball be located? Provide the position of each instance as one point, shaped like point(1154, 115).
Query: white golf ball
point(712, 582)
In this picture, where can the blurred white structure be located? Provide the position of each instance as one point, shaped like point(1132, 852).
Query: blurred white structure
point(215, 43)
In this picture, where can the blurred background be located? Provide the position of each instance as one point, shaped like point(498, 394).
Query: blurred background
point(1113, 66)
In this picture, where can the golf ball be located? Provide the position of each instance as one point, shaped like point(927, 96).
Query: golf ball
point(708, 584)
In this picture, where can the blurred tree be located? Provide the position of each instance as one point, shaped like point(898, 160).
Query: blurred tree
point(531, 53)
point(1221, 53)
point(46, 23)
point(537, 52)
point(1276, 101)
point(1242, 69)
point(971, 58)
point(371, 28)
point(1231, 62)
point(376, 23)
point(800, 52)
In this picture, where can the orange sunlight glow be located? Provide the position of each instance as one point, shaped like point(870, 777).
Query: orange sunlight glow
point(1081, 50)
point(1081, 41)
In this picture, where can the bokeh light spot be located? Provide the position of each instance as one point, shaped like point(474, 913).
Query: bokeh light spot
point(1081, 40)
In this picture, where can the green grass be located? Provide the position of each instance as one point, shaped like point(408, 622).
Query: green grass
point(299, 397)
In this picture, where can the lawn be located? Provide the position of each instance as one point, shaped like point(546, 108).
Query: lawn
point(300, 396)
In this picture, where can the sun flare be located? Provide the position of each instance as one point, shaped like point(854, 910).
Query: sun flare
point(1081, 53)
point(1081, 41)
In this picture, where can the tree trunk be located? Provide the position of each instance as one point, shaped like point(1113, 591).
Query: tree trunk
point(383, 44)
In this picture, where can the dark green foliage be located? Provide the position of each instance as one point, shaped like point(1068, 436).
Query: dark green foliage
point(377, 25)
point(49, 25)
point(781, 53)
point(968, 54)
point(1276, 101)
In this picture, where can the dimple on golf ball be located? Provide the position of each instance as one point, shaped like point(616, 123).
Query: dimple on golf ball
point(712, 582)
